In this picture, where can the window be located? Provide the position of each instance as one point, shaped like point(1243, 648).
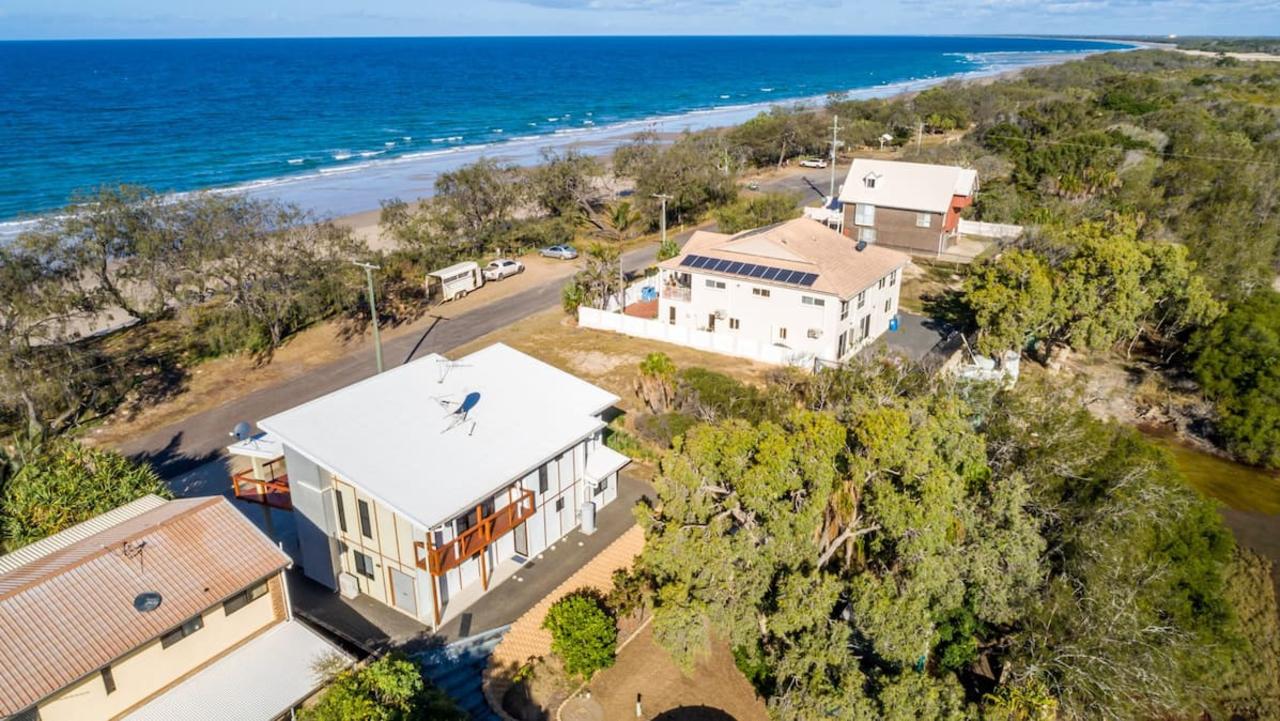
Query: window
point(366, 526)
point(883, 281)
point(342, 510)
point(733, 324)
point(560, 504)
point(869, 181)
point(186, 629)
point(864, 214)
point(717, 284)
point(867, 235)
point(844, 309)
point(244, 598)
point(108, 680)
point(862, 298)
point(888, 304)
point(924, 220)
point(671, 315)
point(810, 300)
point(893, 277)
point(782, 334)
point(543, 482)
point(762, 292)
point(364, 564)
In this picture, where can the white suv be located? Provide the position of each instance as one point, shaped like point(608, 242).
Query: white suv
point(813, 163)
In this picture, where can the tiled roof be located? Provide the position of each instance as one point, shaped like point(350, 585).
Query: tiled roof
point(69, 612)
point(802, 245)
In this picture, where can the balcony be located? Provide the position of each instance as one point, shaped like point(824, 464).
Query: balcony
point(486, 530)
point(677, 292)
point(270, 487)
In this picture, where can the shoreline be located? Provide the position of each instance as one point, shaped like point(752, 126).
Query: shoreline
point(352, 194)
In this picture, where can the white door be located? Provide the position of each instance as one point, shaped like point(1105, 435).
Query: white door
point(402, 592)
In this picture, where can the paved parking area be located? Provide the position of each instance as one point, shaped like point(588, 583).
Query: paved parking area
point(915, 337)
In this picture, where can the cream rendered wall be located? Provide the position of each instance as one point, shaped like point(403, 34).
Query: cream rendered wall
point(391, 544)
point(149, 670)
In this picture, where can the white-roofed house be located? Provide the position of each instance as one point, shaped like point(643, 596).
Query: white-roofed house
point(425, 486)
point(912, 206)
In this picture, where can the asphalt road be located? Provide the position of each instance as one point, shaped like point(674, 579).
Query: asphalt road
point(200, 438)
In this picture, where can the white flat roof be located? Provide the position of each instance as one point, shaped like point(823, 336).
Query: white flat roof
point(261, 445)
point(399, 437)
point(258, 681)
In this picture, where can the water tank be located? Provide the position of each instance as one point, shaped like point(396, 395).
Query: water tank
point(893, 323)
point(589, 517)
point(348, 586)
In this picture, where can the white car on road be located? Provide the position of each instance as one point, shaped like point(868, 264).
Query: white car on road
point(813, 163)
point(501, 268)
point(563, 252)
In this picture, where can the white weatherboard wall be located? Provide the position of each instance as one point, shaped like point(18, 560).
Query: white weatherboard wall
point(685, 336)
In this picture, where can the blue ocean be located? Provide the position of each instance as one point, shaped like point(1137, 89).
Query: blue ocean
point(338, 124)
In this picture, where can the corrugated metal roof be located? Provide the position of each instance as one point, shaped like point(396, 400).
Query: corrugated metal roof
point(256, 682)
point(78, 532)
point(70, 612)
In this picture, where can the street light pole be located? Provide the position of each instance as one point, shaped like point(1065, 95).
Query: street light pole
point(835, 141)
point(663, 220)
point(373, 309)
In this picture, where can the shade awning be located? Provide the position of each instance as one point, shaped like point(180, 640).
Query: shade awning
point(258, 681)
point(603, 460)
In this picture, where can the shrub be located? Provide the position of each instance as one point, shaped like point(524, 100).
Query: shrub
point(583, 634)
point(389, 689)
point(65, 483)
point(663, 428)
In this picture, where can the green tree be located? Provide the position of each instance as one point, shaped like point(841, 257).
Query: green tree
point(483, 196)
point(64, 483)
point(1011, 298)
point(1235, 362)
point(583, 634)
point(389, 689)
point(563, 185)
point(757, 211)
point(698, 171)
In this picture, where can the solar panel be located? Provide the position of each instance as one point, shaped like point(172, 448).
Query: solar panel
point(749, 270)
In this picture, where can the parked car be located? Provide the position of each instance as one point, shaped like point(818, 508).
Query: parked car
point(753, 185)
point(813, 163)
point(563, 252)
point(501, 268)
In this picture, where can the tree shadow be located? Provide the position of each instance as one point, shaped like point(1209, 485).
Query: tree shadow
point(949, 309)
point(694, 713)
point(169, 462)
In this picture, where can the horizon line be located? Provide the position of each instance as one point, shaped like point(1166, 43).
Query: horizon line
point(1013, 36)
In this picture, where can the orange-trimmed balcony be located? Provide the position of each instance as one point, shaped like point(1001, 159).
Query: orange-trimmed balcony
point(485, 530)
point(265, 483)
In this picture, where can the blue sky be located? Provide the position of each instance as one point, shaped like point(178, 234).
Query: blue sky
point(29, 19)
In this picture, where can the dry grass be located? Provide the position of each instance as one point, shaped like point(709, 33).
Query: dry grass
point(609, 360)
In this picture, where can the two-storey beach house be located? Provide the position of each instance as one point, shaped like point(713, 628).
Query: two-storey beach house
point(425, 486)
point(912, 206)
point(156, 610)
point(798, 285)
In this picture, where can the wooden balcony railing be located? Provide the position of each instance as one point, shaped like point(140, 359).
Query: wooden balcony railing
point(271, 491)
point(486, 530)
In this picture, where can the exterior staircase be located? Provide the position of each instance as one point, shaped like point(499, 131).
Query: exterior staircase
point(457, 669)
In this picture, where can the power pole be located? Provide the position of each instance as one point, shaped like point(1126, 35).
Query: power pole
point(835, 141)
point(373, 309)
point(919, 136)
point(663, 220)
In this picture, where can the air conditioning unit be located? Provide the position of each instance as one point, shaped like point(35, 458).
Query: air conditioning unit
point(815, 333)
point(348, 586)
point(720, 315)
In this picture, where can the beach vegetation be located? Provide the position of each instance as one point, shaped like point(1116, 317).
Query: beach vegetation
point(50, 484)
point(757, 211)
point(697, 171)
point(889, 546)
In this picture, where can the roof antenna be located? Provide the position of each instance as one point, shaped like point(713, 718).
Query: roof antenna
point(444, 365)
point(462, 413)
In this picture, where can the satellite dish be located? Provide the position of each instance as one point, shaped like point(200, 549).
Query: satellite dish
point(146, 602)
point(242, 432)
point(468, 403)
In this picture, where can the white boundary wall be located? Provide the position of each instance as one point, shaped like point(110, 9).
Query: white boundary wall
point(722, 343)
point(1002, 231)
